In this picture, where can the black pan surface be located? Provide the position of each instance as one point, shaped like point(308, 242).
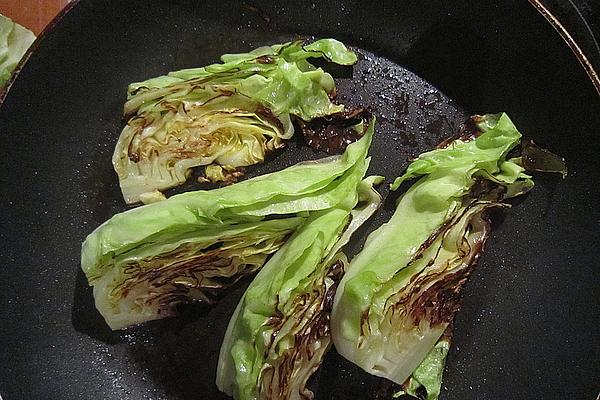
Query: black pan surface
point(529, 328)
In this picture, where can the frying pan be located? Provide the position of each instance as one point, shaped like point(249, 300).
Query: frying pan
point(530, 322)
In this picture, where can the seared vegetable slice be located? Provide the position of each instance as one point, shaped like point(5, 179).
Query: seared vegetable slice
point(230, 114)
point(402, 290)
point(279, 332)
point(191, 266)
point(145, 261)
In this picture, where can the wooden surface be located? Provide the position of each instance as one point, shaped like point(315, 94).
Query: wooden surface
point(32, 14)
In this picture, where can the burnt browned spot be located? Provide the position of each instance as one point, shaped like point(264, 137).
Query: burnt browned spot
point(276, 319)
point(468, 131)
point(447, 335)
point(226, 93)
point(364, 322)
point(321, 326)
point(441, 301)
point(484, 189)
point(329, 296)
point(335, 273)
point(538, 159)
point(230, 175)
point(333, 94)
point(137, 124)
point(134, 157)
point(265, 60)
point(333, 133)
point(266, 114)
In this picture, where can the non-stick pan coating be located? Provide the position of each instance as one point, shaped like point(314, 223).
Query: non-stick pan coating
point(529, 325)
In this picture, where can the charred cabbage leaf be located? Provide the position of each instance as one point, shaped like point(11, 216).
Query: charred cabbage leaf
point(279, 332)
point(426, 381)
point(401, 291)
point(145, 261)
point(229, 114)
point(14, 42)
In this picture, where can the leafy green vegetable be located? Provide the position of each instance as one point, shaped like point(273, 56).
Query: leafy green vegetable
point(401, 292)
point(427, 377)
point(147, 282)
point(145, 261)
point(14, 42)
point(279, 332)
point(231, 114)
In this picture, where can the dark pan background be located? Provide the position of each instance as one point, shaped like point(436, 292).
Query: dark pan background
point(529, 328)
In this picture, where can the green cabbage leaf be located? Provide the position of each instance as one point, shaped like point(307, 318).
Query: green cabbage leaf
point(402, 290)
point(230, 114)
point(425, 382)
point(279, 332)
point(145, 261)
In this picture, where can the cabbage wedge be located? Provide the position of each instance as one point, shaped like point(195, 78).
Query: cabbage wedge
point(402, 290)
point(143, 262)
point(279, 332)
point(230, 114)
